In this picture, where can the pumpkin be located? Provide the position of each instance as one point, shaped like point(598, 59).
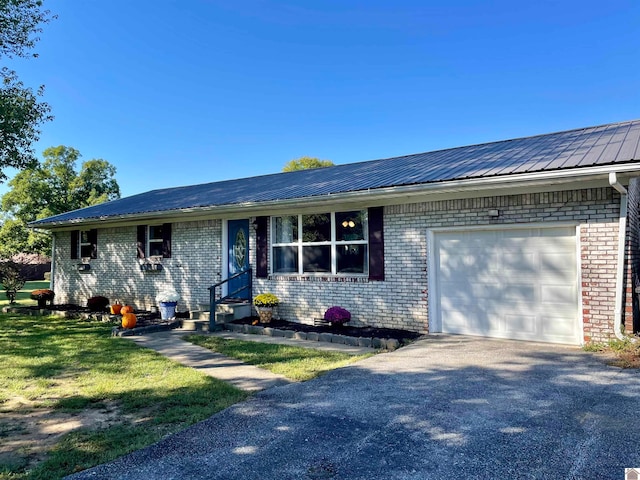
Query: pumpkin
point(126, 309)
point(129, 320)
point(115, 309)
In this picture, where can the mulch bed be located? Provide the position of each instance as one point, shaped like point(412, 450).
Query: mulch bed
point(347, 330)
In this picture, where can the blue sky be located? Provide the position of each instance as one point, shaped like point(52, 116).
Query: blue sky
point(192, 91)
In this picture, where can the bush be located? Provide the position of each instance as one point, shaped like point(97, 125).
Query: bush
point(43, 296)
point(337, 315)
point(12, 280)
point(97, 303)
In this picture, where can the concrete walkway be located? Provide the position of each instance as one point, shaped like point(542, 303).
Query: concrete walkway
point(239, 374)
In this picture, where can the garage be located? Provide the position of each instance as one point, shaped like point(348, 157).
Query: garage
point(519, 283)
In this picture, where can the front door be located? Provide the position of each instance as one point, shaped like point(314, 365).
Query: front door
point(238, 245)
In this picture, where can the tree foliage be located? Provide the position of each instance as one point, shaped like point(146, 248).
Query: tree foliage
point(306, 163)
point(50, 188)
point(21, 114)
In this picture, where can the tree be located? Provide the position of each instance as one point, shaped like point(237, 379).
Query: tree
point(12, 280)
point(306, 163)
point(50, 188)
point(20, 112)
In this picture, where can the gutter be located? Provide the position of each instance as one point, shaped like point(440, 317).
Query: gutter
point(622, 231)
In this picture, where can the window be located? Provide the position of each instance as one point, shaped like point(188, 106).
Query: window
point(154, 240)
point(329, 243)
point(84, 244)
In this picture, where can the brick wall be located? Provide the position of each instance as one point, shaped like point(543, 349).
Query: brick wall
point(116, 274)
point(401, 301)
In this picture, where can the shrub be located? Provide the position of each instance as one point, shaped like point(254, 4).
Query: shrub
point(266, 300)
point(12, 280)
point(337, 315)
point(43, 296)
point(97, 303)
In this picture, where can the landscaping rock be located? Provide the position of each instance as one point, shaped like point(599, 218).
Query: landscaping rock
point(278, 333)
point(353, 341)
point(339, 339)
point(255, 330)
point(325, 337)
point(378, 343)
point(364, 342)
point(268, 331)
point(288, 333)
point(313, 336)
point(300, 335)
point(392, 344)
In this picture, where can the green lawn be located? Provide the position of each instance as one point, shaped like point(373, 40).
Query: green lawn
point(295, 363)
point(74, 371)
point(22, 298)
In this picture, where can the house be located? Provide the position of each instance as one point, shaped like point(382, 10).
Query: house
point(524, 239)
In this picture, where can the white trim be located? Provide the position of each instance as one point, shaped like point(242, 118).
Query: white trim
point(224, 244)
point(434, 323)
point(579, 280)
point(52, 282)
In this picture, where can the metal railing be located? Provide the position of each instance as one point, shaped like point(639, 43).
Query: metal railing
point(215, 300)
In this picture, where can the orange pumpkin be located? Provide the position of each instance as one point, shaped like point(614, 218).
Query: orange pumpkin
point(126, 309)
point(129, 320)
point(115, 309)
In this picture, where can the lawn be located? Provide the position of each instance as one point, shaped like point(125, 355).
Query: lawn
point(23, 296)
point(295, 363)
point(72, 396)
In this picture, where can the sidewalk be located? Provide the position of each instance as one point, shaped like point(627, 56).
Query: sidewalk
point(239, 374)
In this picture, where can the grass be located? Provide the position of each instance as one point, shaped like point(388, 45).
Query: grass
point(62, 368)
point(625, 353)
point(23, 296)
point(295, 363)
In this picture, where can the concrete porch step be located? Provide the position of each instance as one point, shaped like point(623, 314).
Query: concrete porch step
point(195, 325)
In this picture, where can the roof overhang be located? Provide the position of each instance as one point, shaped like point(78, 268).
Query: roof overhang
point(557, 180)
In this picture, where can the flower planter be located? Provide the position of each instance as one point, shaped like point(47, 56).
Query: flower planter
point(168, 310)
point(265, 314)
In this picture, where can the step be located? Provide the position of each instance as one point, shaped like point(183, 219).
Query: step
point(237, 309)
point(195, 325)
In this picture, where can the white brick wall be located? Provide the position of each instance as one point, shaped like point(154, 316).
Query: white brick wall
point(193, 267)
point(401, 301)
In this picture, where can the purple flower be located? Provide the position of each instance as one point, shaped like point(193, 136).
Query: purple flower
point(337, 315)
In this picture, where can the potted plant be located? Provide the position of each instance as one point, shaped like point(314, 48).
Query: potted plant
point(264, 303)
point(167, 299)
point(337, 316)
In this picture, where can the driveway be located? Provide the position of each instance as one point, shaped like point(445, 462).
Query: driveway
point(444, 407)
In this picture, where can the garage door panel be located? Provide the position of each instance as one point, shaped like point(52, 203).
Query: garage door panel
point(557, 294)
point(520, 324)
point(511, 283)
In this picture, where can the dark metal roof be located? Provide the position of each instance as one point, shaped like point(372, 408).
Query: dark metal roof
point(587, 147)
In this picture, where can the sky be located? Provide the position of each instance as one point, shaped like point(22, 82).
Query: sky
point(179, 92)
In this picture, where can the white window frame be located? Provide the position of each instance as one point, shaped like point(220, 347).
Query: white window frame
point(153, 241)
point(332, 243)
point(84, 244)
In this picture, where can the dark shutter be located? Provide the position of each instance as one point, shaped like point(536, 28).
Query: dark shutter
point(93, 240)
point(262, 263)
point(75, 236)
point(166, 240)
point(376, 243)
point(142, 241)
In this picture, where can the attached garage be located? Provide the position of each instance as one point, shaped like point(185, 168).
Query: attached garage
point(517, 283)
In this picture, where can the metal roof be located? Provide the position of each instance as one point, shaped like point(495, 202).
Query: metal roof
point(603, 145)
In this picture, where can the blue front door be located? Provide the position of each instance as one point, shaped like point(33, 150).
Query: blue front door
point(238, 257)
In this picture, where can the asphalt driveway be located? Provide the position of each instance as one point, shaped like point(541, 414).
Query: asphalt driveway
point(445, 407)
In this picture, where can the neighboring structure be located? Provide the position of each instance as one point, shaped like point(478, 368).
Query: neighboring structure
point(513, 239)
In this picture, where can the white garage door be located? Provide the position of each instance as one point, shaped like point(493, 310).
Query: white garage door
point(519, 284)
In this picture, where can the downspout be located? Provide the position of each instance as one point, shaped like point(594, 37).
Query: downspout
point(622, 231)
point(53, 262)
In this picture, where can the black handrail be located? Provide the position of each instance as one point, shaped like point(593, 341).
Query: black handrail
point(213, 301)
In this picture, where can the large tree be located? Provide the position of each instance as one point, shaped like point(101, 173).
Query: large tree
point(50, 188)
point(306, 163)
point(21, 114)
